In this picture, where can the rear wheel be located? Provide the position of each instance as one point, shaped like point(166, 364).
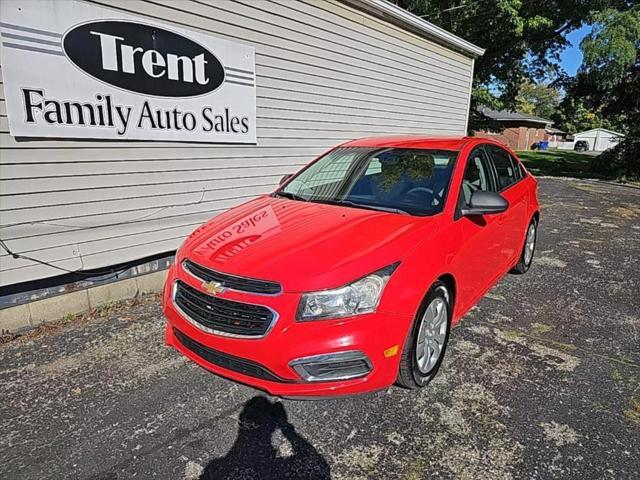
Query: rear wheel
point(529, 247)
point(426, 343)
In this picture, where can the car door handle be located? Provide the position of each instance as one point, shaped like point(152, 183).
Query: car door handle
point(501, 218)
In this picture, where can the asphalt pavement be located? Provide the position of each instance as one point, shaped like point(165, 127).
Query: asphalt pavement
point(541, 381)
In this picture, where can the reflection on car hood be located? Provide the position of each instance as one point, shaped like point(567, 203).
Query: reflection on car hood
point(303, 245)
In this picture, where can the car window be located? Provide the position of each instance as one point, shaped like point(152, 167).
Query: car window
point(521, 171)
point(516, 169)
point(326, 177)
point(504, 166)
point(374, 167)
point(476, 176)
point(400, 180)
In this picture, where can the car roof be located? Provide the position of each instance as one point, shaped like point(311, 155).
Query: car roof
point(414, 141)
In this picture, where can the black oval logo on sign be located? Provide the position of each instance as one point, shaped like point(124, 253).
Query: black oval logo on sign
point(143, 59)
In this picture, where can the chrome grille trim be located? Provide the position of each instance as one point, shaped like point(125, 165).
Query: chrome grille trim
point(221, 277)
point(214, 331)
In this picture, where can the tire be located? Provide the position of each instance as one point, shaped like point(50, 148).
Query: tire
point(413, 374)
point(528, 249)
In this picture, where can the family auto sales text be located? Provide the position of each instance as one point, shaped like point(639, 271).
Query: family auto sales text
point(105, 113)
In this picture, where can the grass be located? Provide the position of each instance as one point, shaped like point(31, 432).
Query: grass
point(559, 163)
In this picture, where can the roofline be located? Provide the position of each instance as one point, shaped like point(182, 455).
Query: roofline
point(531, 120)
point(524, 117)
point(399, 15)
point(602, 129)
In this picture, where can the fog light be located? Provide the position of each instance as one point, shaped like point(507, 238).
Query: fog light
point(332, 366)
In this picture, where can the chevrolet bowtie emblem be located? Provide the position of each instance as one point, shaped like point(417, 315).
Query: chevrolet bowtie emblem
point(214, 288)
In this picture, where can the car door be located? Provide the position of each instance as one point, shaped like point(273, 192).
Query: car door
point(480, 256)
point(514, 220)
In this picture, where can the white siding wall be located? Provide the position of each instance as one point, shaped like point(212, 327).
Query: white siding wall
point(325, 73)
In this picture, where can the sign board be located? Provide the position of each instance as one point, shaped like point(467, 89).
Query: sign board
point(76, 70)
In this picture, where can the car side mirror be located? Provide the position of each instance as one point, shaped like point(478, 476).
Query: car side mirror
point(285, 178)
point(485, 203)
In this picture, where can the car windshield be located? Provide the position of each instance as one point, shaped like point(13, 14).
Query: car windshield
point(397, 180)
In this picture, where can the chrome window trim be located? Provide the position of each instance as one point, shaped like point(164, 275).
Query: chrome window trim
point(186, 270)
point(297, 364)
point(213, 331)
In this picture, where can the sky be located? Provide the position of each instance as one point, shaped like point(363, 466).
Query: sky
point(571, 57)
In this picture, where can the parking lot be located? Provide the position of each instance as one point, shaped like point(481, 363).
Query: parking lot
point(541, 380)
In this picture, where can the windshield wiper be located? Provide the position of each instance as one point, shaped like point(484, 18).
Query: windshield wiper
point(366, 206)
point(291, 196)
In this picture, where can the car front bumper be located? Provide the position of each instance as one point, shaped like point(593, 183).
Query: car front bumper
point(291, 359)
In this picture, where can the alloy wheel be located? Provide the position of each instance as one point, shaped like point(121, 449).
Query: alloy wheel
point(530, 244)
point(432, 334)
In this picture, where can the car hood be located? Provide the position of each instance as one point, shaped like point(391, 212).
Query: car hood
point(303, 245)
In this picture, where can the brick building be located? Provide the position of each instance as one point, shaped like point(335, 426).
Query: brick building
point(518, 130)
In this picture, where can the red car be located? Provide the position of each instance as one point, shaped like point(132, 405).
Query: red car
point(349, 277)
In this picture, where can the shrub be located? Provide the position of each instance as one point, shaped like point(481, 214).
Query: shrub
point(622, 161)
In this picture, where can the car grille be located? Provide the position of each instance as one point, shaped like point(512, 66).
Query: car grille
point(222, 316)
point(230, 362)
point(242, 284)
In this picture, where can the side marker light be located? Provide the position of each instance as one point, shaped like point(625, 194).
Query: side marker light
point(390, 352)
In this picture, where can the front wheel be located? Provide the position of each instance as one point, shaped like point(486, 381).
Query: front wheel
point(426, 343)
point(529, 247)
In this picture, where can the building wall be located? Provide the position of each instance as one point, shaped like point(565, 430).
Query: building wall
point(325, 73)
point(518, 137)
point(530, 135)
point(498, 136)
point(515, 137)
point(598, 141)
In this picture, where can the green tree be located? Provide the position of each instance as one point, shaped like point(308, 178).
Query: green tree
point(573, 116)
point(611, 50)
point(538, 99)
point(523, 38)
point(608, 82)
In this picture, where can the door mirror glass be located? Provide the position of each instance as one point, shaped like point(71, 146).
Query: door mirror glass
point(485, 203)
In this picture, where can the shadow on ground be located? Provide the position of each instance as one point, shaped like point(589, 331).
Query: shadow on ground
point(253, 454)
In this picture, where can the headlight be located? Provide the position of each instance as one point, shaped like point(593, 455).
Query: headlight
point(361, 296)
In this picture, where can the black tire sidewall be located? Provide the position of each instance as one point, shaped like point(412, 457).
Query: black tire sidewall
point(420, 378)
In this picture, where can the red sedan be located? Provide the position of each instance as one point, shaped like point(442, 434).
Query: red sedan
point(349, 277)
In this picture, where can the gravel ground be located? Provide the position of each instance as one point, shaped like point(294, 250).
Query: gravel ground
point(541, 380)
